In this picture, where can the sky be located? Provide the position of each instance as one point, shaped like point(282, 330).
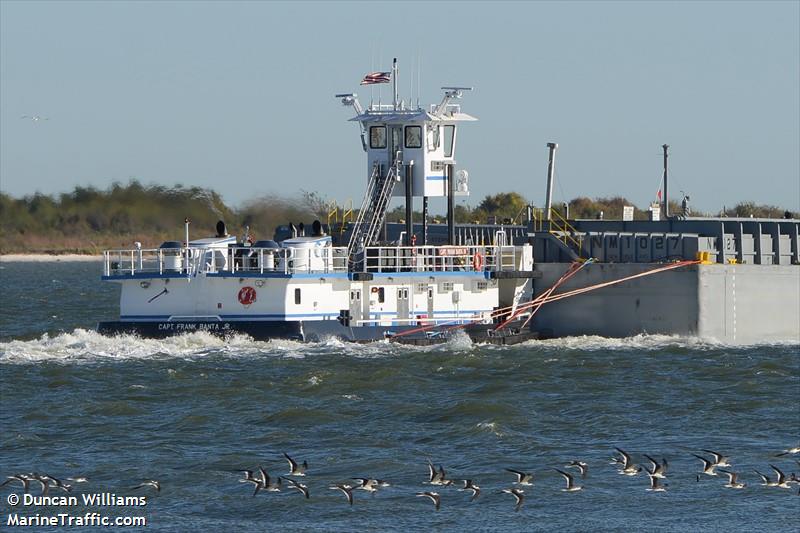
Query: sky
point(238, 97)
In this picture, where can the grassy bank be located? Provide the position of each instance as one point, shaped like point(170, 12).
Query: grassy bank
point(88, 220)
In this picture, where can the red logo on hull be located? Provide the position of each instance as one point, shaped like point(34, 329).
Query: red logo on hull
point(247, 295)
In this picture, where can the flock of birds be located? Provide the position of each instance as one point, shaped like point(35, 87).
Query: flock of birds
point(48, 482)
point(656, 471)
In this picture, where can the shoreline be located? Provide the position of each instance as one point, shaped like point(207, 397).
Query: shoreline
point(48, 258)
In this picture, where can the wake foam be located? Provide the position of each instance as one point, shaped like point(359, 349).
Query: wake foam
point(83, 345)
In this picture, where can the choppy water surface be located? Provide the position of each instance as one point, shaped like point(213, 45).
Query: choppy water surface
point(189, 410)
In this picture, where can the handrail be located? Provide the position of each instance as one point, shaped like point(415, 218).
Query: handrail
point(466, 258)
point(566, 230)
point(363, 211)
point(346, 214)
point(211, 260)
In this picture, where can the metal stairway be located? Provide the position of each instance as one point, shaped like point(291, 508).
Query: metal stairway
point(370, 218)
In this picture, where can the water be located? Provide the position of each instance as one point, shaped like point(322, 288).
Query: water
point(189, 410)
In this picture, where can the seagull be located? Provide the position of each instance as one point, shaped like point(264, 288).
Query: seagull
point(583, 467)
point(58, 483)
point(18, 477)
point(347, 489)
point(294, 468)
point(518, 494)
point(765, 480)
point(299, 486)
point(571, 486)
point(708, 467)
point(149, 483)
point(469, 485)
point(44, 481)
point(438, 478)
point(250, 479)
point(434, 496)
point(367, 484)
point(523, 478)
point(732, 480)
point(35, 118)
point(791, 451)
point(782, 481)
point(654, 486)
point(659, 470)
point(719, 459)
point(628, 468)
point(248, 476)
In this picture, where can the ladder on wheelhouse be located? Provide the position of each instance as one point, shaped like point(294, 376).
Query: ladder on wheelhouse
point(372, 214)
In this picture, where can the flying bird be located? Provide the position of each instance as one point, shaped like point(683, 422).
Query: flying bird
point(303, 489)
point(571, 486)
point(434, 497)
point(347, 490)
point(523, 478)
point(149, 483)
point(469, 485)
point(719, 459)
point(733, 482)
point(519, 494)
point(294, 468)
point(580, 465)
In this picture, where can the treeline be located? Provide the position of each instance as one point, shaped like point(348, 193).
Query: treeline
point(88, 220)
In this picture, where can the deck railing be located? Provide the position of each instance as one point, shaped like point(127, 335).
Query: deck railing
point(441, 258)
point(322, 260)
point(195, 260)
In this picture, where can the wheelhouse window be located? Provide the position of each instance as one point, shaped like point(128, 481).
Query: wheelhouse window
point(449, 140)
point(413, 136)
point(377, 137)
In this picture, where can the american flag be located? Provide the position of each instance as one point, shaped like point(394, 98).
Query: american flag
point(376, 77)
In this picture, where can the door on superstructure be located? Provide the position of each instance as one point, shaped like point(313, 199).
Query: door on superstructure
point(355, 307)
point(402, 306)
point(395, 144)
point(430, 302)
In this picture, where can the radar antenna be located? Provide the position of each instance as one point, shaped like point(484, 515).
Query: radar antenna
point(449, 94)
point(351, 99)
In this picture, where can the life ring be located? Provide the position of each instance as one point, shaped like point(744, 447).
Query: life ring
point(477, 261)
point(247, 296)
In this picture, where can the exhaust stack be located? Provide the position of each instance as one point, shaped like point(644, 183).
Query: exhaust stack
point(550, 168)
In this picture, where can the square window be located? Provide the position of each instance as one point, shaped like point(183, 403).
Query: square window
point(413, 136)
point(377, 137)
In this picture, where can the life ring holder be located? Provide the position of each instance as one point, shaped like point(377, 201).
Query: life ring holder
point(477, 261)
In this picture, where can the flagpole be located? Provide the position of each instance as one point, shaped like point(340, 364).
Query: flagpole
point(394, 81)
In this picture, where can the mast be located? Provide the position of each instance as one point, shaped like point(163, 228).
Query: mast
point(666, 195)
point(394, 81)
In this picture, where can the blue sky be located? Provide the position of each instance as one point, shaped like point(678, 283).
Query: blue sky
point(239, 96)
